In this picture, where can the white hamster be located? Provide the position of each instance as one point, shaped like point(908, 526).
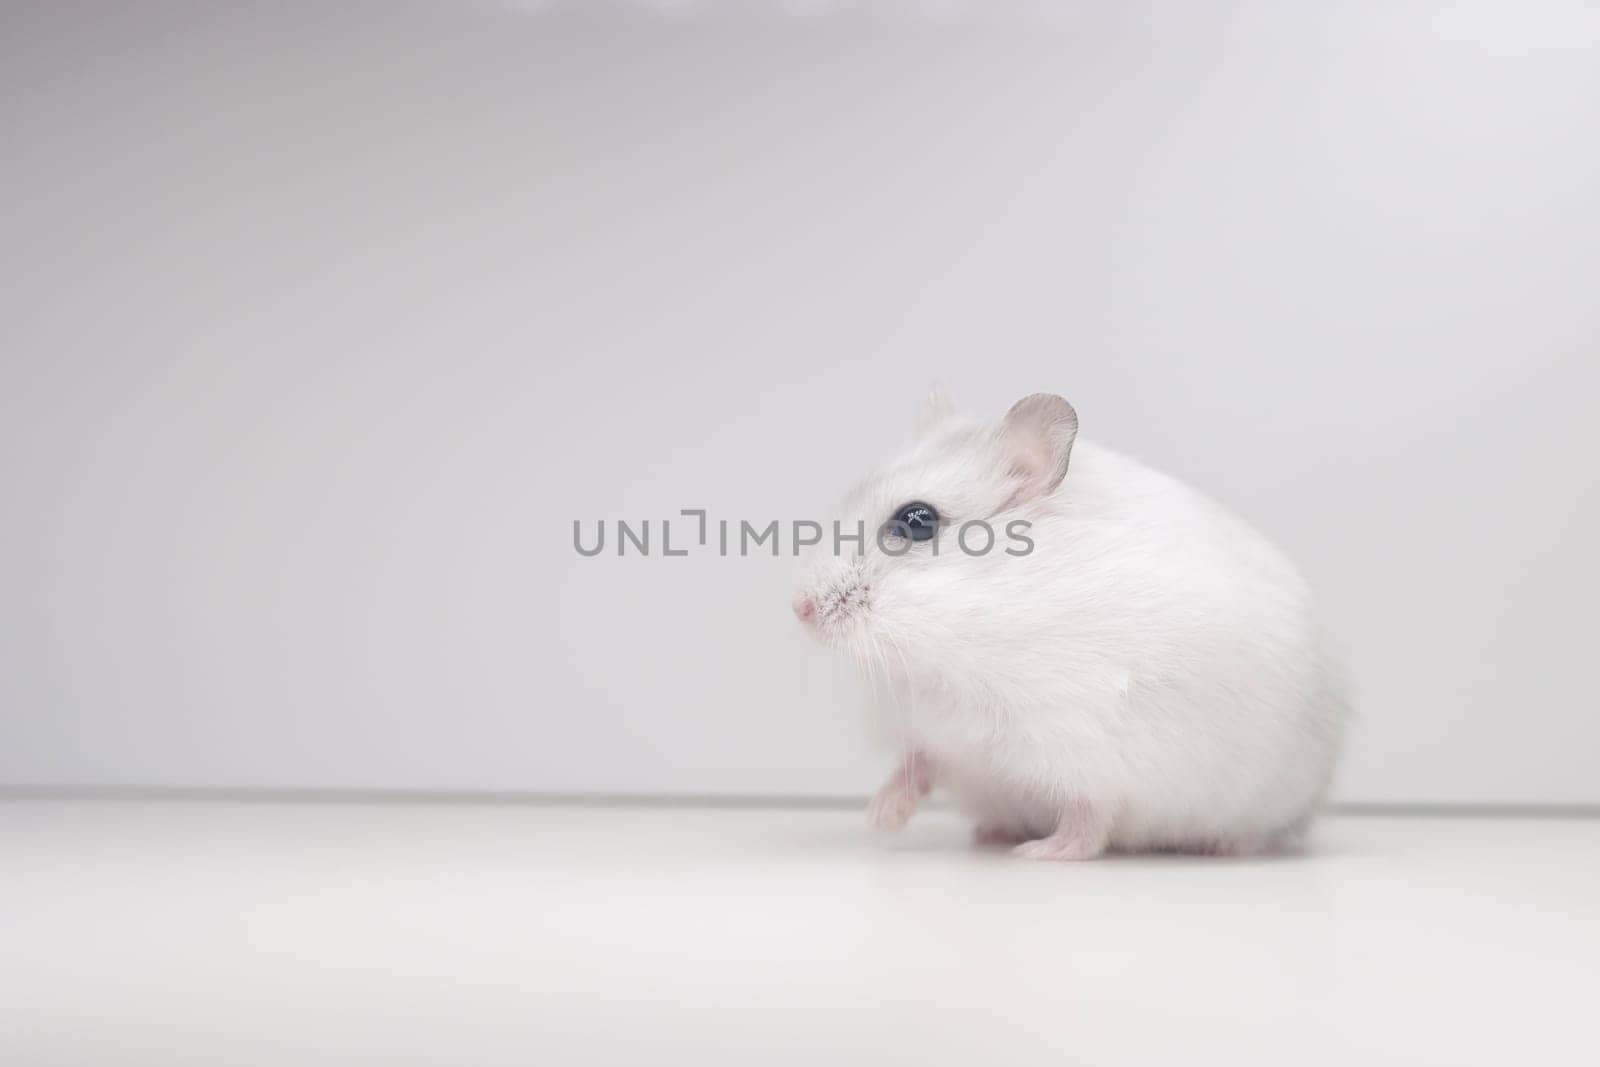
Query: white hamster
point(1126, 666)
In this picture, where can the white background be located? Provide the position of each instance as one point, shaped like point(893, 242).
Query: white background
point(320, 329)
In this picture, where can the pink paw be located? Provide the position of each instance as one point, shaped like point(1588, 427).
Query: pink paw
point(891, 809)
point(1056, 847)
point(1234, 849)
point(992, 833)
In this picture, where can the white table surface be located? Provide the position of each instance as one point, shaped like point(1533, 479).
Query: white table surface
point(241, 933)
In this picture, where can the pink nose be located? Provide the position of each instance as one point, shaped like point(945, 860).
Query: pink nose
point(805, 609)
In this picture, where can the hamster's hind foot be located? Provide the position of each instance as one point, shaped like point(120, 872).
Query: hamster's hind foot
point(1080, 835)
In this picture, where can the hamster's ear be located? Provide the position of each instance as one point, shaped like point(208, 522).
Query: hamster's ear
point(937, 407)
point(1038, 433)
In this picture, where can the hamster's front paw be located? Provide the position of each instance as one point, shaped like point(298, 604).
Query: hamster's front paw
point(897, 800)
point(892, 808)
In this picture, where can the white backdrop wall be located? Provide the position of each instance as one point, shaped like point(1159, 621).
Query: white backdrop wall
point(321, 326)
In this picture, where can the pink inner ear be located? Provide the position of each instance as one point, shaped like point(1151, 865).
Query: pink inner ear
point(1028, 477)
point(1023, 469)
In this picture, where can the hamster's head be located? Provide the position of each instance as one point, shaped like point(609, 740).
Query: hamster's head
point(914, 545)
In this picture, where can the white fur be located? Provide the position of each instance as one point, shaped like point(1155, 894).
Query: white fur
point(1154, 661)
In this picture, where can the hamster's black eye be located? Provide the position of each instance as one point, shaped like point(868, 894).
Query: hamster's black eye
point(916, 520)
